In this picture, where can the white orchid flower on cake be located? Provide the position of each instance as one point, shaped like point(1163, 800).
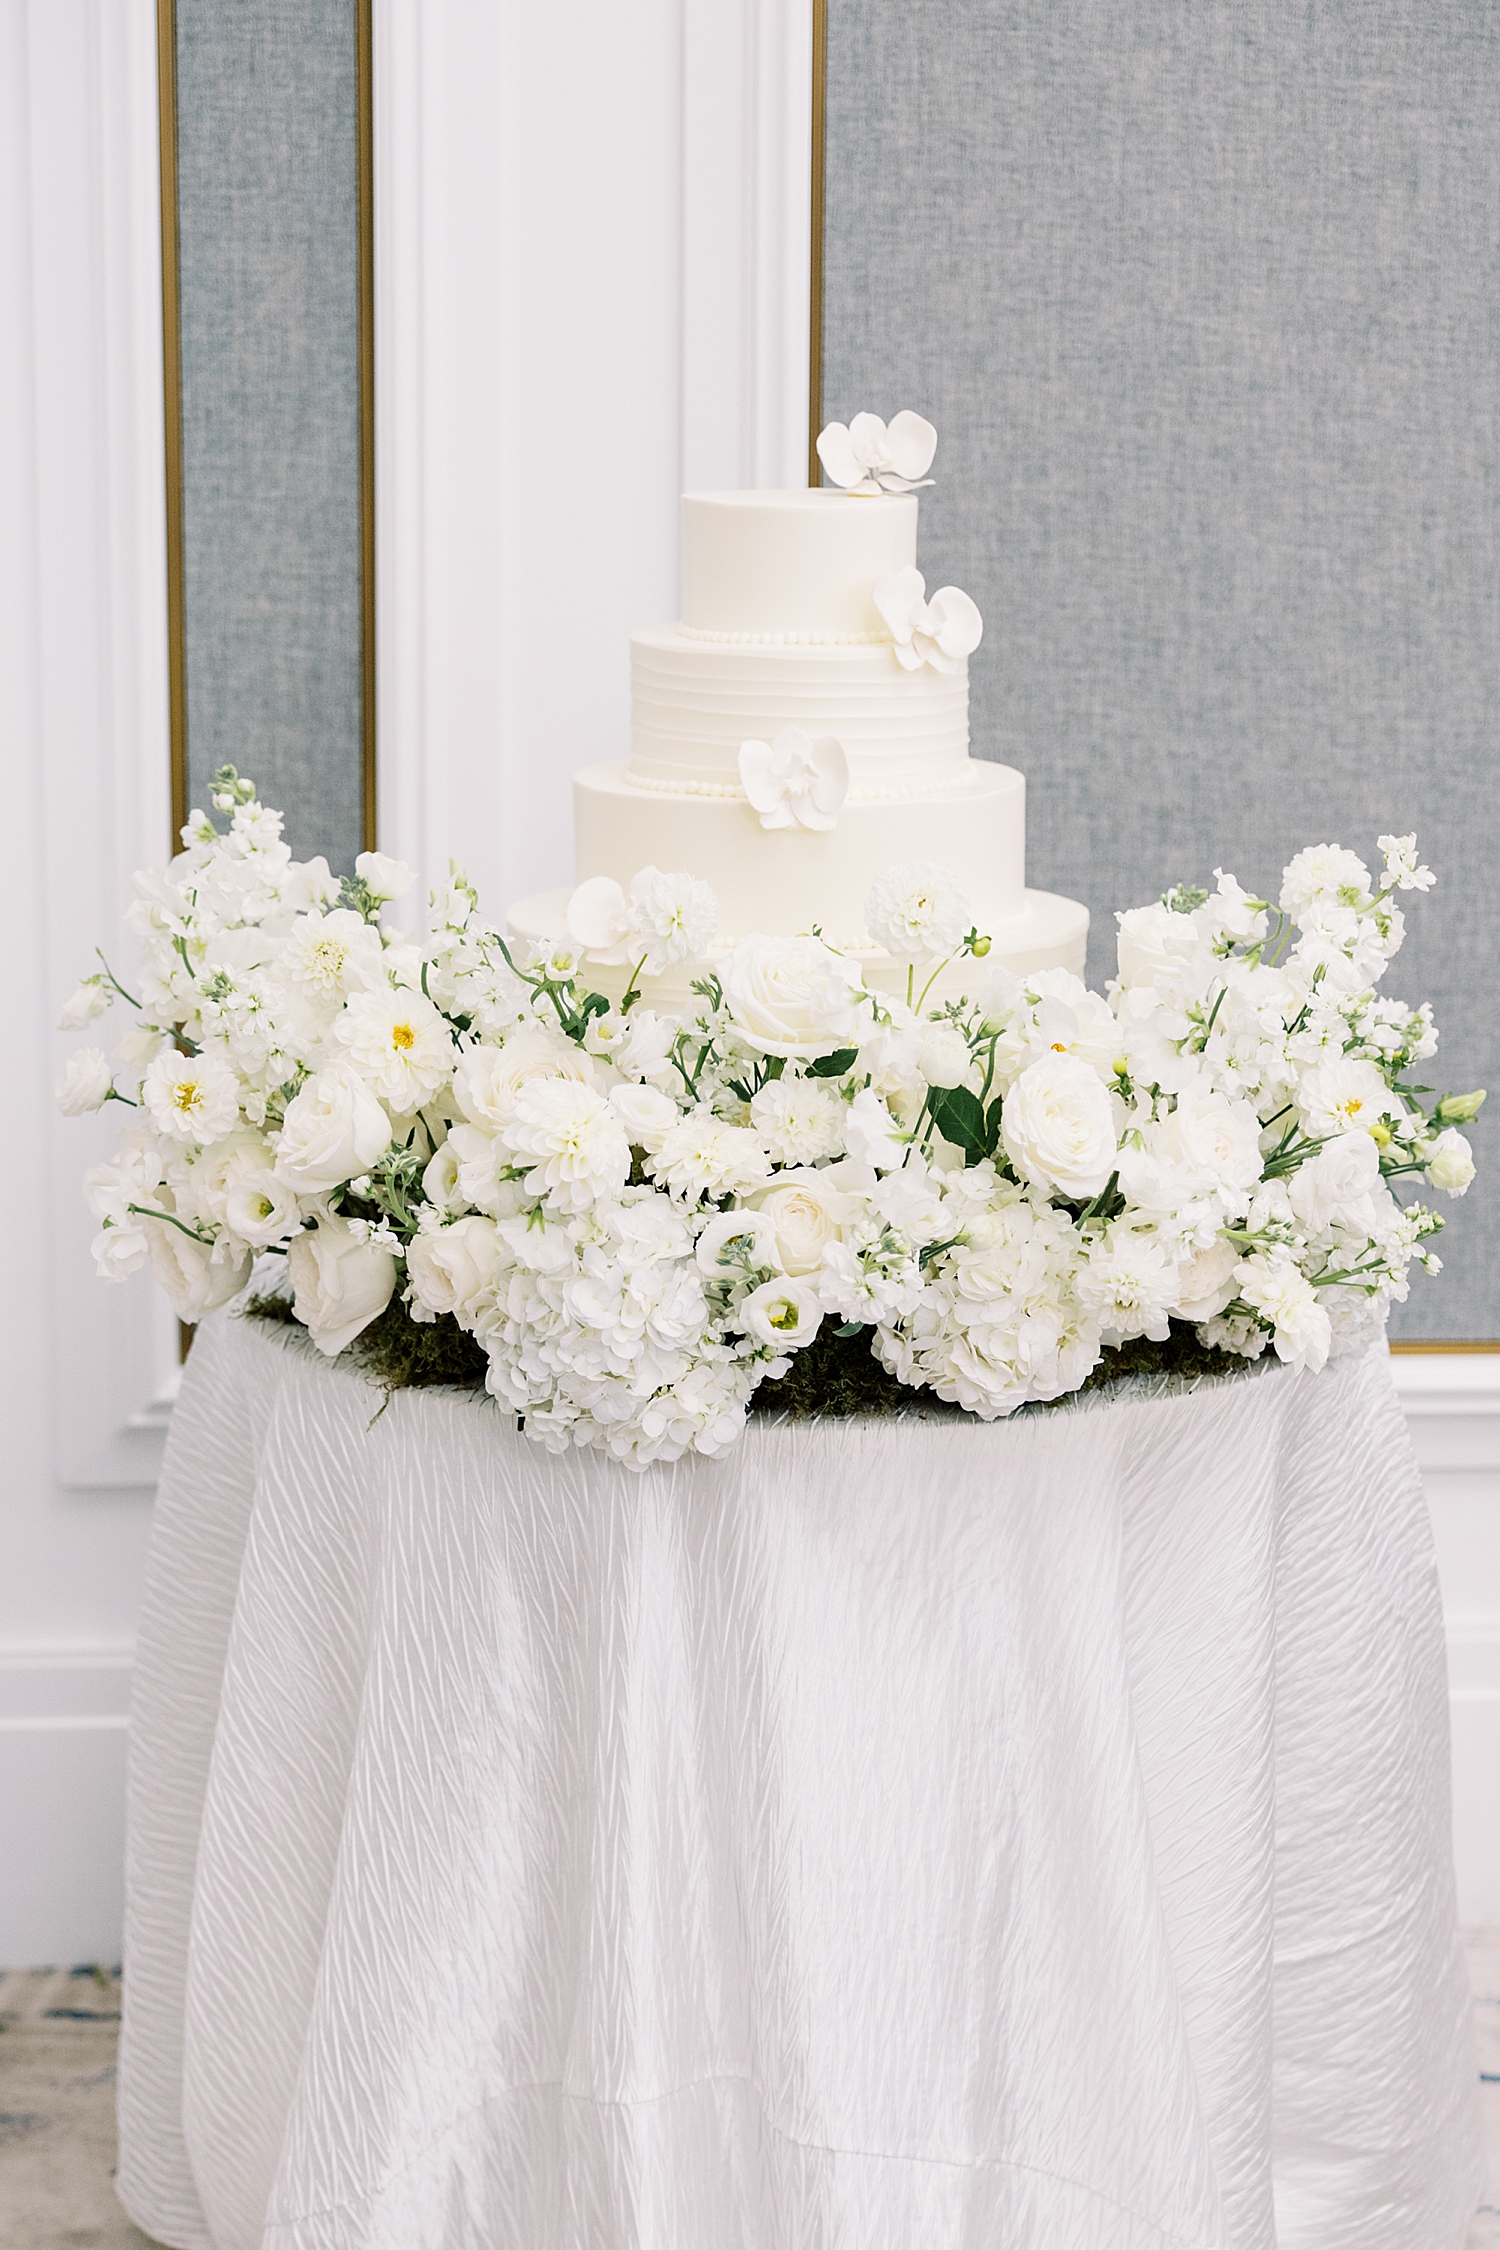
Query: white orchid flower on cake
point(867, 456)
point(795, 782)
point(661, 920)
point(943, 632)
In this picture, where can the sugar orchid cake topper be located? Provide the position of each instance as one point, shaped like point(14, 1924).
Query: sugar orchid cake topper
point(867, 456)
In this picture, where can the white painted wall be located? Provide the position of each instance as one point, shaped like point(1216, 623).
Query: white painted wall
point(585, 305)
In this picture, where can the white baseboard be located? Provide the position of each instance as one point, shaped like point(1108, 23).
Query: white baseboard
point(63, 1730)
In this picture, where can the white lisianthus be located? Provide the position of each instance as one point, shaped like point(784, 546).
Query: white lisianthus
point(334, 1130)
point(260, 1208)
point(191, 1097)
point(804, 1209)
point(399, 1042)
point(872, 1135)
point(800, 1120)
point(1287, 1301)
point(791, 996)
point(784, 1313)
point(737, 1242)
point(1450, 1165)
point(1345, 1095)
point(1324, 873)
point(646, 1114)
point(701, 1156)
point(440, 1178)
point(384, 878)
point(572, 1140)
point(451, 1269)
point(917, 912)
point(1336, 1183)
point(1058, 1127)
point(86, 1001)
point(85, 1082)
point(340, 1280)
point(197, 1277)
point(489, 1079)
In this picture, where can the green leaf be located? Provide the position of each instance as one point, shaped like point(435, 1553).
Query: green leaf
point(834, 1065)
point(959, 1116)
point(850, 1328)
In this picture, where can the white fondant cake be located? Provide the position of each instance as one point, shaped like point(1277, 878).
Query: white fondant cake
point(781, 629)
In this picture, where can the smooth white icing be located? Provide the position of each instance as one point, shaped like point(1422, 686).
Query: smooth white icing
point(693, 703)
point(799, 563)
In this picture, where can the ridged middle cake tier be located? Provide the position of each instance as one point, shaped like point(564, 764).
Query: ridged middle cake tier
point(694, 702)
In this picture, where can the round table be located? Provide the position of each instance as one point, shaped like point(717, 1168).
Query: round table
point(896, 1835)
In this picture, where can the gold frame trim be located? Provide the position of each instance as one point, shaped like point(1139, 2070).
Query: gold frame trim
point(815, 288)
point(365, 144)
point(1427, 1346)
point(171, 343)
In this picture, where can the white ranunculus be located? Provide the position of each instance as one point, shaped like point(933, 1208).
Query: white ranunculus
point(340, 1283)
point(384, 878)
point(451, 1268)
point(1335, 1184)
point(397, 1040)
point(795, 782)
point(792, 996)
point(195, 1281)
point(646, 1113)
point(488, 1079)
point(1058, 1127)
point(1451, 1164)
point(1155, 942)
point(784, 1313)
point(943, 632)
point(572, 1140)
point(259, 1208)
point(917, 912)
point(867, 456)
point(84, 1083)
point(805, 1210)
point(1211, 1135)
point(944, 1057)
point(735, 1240)
point(86, 1001)
point(872, 1135)
point(332, 1132)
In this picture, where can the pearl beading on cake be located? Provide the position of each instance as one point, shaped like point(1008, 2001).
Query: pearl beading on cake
point(867, 793)
point(787, 640)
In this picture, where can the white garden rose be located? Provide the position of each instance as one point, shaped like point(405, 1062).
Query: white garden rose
point(1451, 1164)
point(1213, 1137)
point(783, 1313)
point(805, 1210)
point(488, 1079)
point(191, 1097)
point(196, 1279)
point(452, 1267)
point(645, 1112)
point(332, 1132)
point(340, 1282)
point(84, 1082)
point(1155, 942)
point(792, 996)
point(1058, 1127)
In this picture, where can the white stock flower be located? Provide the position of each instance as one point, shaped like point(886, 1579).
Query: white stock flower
point(340, 1283)
point(1322, 873)
point(399, 1042)
point(1283, 1296)
point(872, 1135)
point(943, 632)
point(572, 1140)
point(191, 1097)
point(917, 912)
point(86, 1001)
point(791, 996)
point(784, 1313)
point(451, 1269)
point(661, 920)
point(84, 1082)
point(795, 782)
point(805, 1209)
point(1450, 1166)
point(334, 1129)
point(702, 1156)
point(384, 878)
point(1058, 1127)
point(194, 1279)
point(1205, 1281)
point(800, 1120)
point(866, 456)
point(1402, 870)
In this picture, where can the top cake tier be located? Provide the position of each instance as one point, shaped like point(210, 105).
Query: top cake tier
point(799, 566)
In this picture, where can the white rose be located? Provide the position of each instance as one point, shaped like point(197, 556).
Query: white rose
point(1335, 1182)
point(646, 1114)
point(84, 1082)
point(1205, 1281)
point(120, 1248)
point(488, 1079)
point(792, 996)
point(259, 1208)
point(333, 1130)
point(440, 1179)
point(1154, 942)
point(1209, 1133)
point(84, 1003)
point(1058, 1127)
point(805, 1212)
point(339, 1283)
point(384, 878)
point(1451, 1164)
point(944, 1057)
point(785, 1314)
point(450, 1269)
point(194, 1279)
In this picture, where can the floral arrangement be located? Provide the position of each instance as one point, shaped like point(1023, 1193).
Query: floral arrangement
point(641, 1216)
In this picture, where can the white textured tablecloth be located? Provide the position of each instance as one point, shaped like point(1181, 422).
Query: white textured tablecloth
point(896, 1836)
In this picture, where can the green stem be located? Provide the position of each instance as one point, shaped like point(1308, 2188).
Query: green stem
point(114, 980)
point(148, 1211)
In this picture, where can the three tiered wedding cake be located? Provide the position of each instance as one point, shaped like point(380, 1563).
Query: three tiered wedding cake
point(805, 726)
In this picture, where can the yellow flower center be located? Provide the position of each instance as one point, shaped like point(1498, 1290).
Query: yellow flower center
point(1058, 1047)
point(403, 1036)
point(186, 1095)
point(785, 1315)
point(1349, 1108)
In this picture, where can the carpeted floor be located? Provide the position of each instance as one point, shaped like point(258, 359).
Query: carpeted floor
point(57, 2105)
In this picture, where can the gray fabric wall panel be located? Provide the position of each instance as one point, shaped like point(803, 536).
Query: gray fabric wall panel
point(1205, 303)
point(268, 216)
